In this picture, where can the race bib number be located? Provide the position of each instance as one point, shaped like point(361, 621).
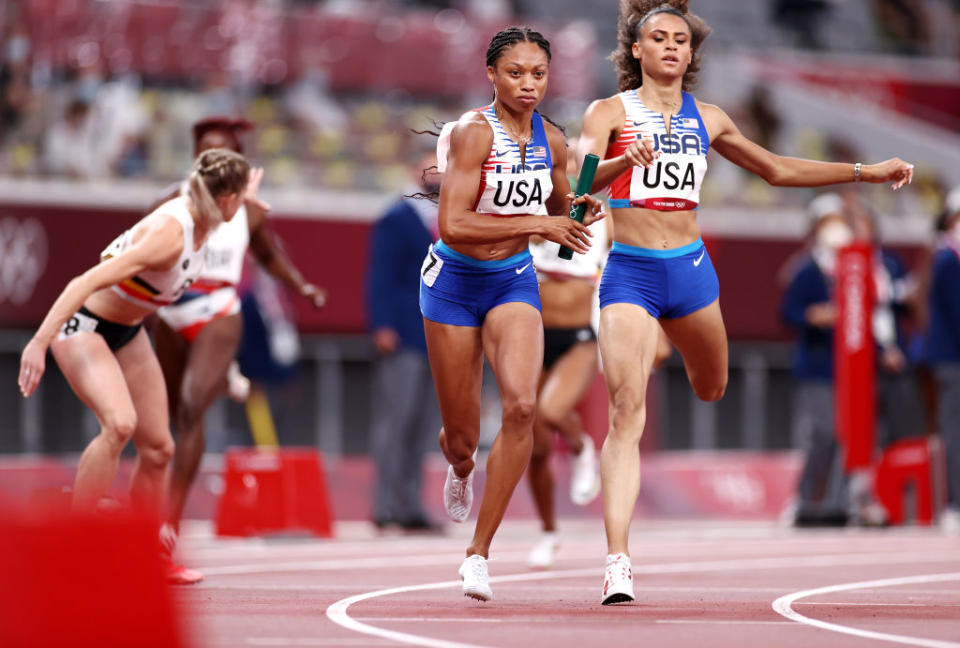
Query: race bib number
point(78, 323)
point(431, 267)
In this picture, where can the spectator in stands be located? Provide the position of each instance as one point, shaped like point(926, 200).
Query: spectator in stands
point(943, 350)
point(69, 148)
point(405, 404)
point(905, 23)
point(803, 18)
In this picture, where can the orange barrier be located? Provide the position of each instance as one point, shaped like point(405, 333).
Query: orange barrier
point(83, 581)
point(910, 480)
point(267, 491)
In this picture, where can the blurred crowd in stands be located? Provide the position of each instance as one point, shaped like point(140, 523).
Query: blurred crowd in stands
point(103, 90)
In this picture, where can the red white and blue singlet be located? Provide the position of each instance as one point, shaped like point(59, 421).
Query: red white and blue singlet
point(460, 290)
point(673, 182)
point(509, 187)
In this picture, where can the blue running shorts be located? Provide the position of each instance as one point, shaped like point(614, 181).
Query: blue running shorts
point(460, 290)
point(666, 283)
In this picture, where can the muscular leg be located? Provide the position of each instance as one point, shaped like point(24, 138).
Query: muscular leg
point(702, 341)
point(513, 343)
point(456, 361)
point(171, 350)
point(564, 387)
point(95, 376)
point(204, 379)
point(539, 474)
point(628, 344)
point(152, 435)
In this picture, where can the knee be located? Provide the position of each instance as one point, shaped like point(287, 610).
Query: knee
point(541, 449)
point(189, 414)
point(118, 427)
point(520, 411)
point(629, 411)
point(157, 454)
point(456, 442)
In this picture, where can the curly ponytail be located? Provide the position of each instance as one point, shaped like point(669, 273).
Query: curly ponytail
point(633, 15)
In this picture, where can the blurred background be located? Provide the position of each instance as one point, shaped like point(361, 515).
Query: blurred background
point(97, 99)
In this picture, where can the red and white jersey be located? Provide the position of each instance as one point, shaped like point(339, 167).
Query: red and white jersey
point(673, 181)
point(587, 266)
point(226, 249)
point(156, 288)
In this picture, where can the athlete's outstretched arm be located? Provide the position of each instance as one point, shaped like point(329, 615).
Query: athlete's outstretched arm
point(267, 250)
point(158, 248)
point(470, 144)
point(783, 171)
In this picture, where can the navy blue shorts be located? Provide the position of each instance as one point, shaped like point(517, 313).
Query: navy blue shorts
point(460, 290)
point(666, 283)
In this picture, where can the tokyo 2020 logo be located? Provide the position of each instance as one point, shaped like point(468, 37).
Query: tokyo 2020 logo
point(23, 258)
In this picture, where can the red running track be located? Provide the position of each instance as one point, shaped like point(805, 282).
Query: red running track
point(699, 584)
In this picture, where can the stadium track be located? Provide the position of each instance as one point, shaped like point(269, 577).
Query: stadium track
point(698, 583)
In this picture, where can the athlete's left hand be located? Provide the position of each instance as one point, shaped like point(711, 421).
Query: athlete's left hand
point(316, 295)
point(893, 170)
point(32, 365)
point(594, 211)
point(250, 196)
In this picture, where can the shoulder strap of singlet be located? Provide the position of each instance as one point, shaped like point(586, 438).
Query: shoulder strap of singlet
point(540, 133)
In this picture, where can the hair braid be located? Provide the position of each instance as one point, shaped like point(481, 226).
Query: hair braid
point(511, 36)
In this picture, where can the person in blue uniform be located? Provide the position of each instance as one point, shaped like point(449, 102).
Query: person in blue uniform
point(505, 171)
point(943, 351)
point(405, 406)
point(653, 139)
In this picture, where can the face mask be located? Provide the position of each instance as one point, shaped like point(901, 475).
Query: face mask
point(833, 236)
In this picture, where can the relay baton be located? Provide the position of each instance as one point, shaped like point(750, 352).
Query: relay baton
point(584, 185)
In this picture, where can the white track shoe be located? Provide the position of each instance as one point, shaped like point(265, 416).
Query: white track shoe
point(617, 580)
point(458, 495)
point(585, 478)
point(542, 554)
point(476, 578)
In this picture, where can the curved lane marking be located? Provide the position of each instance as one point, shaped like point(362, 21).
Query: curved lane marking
point(783, 607)
point(337, 612)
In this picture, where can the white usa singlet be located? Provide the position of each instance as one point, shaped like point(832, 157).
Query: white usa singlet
point(673, 182)
point(507, 186)
point(156, 288)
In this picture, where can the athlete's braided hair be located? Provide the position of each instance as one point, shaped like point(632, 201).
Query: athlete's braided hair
point(216, 172)
point(511, 36)
point(633, 15)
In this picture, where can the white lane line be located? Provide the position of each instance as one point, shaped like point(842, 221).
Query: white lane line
point(296, 641)
point(725, 622)
point(342, 564)
point(826, 560)
point(930, 605)
point(783, 607)
point(337, 612)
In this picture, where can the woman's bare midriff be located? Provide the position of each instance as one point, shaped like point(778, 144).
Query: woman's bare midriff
point(657, 230)
point(492, 251)
point(112, 307)
point(566, 302)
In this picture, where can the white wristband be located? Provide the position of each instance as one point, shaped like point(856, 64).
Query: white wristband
point(856, 172)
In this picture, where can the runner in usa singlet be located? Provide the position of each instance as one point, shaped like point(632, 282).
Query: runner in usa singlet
point(673, 181)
